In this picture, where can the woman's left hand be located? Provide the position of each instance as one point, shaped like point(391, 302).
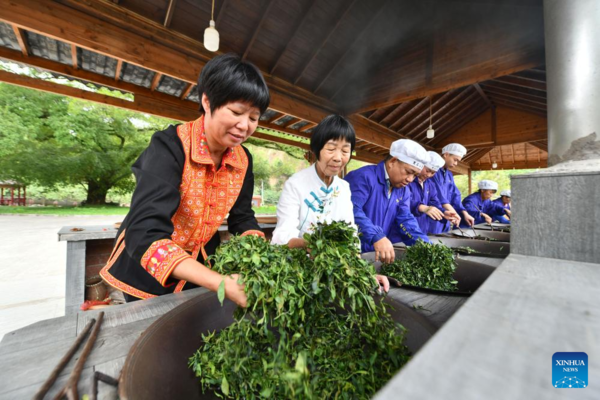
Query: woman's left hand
point(383, 282)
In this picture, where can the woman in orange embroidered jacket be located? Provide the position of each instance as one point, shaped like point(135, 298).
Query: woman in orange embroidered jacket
point(188, 179)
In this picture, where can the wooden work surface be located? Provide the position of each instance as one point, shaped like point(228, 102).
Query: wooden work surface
point(28, 355)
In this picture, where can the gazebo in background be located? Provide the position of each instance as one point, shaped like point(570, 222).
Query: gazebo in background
point(12, 186)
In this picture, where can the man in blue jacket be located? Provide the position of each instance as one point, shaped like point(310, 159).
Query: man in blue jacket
point(381, 200)
point(424, 202)
point(448, 193)
point(504, 201)
point(480, 205)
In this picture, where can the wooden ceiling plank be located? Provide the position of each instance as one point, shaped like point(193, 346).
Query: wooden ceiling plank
point(542, 145)
point(452, 81)
point(295, 31)
point(365, 28)
point(264, 13)
point(482, 94)
point(522, 107)
point(20, 34)
point(74, 56)
point(170, 12)
point(380, 113)
point(317, 48)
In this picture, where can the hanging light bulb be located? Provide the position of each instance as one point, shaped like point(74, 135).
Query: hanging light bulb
point(211, 35)
point(430, 131)
point(494, 165)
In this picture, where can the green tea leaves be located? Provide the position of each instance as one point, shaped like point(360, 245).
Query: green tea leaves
point(221, 291)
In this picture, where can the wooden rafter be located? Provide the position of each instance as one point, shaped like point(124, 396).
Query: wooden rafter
point(482, 94)
point(543, 146)
point(295, 31)
point(365, 28)
point(439, 104)
point(318, 47)
point(118, 70)
point(307, 127)
point(409, 115)
point(170, 12)
point(222, 12)
point(518, 99)
point(511, 89)
point(283, 129)
point(186, 91)
point(292, 122)
point(516, 165)
point(396, 113)
point(74, 56)
point(522, 107)
point(452, 124)
point(522, 82)
point(277, 118)
point(20, 34)
point(493, 91)
point(155, 81)
point(263, 18)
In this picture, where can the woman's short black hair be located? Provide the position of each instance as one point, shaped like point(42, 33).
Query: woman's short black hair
point(227, 78)
point(332, 127)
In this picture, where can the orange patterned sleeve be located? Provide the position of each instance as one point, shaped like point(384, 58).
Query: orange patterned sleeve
point(161, 258)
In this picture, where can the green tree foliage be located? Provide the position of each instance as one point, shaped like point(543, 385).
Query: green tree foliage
point(502, 177)
point(52, 140)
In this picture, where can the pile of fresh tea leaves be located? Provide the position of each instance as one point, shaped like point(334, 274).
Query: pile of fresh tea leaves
point(425, 265)
point(312, 328)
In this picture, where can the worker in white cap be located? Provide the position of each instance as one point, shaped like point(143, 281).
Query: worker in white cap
point(381, 200)
point(448, 193)
point(480, 205)
point(424, 202)
point(504, 201)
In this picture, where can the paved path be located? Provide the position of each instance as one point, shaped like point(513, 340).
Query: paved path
point(32, 267)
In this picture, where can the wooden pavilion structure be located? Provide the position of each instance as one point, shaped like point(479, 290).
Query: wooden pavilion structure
point(17, 196)
point(475, 68)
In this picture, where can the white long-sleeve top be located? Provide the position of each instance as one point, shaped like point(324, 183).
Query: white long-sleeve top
point(306, 200)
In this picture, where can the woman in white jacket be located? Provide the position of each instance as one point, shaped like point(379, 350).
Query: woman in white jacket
point(317, 193)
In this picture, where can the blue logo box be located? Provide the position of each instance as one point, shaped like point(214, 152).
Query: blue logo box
point(570, 370)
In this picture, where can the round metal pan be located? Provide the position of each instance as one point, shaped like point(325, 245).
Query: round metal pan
point(469, 274)
point(494, 226)
point(157, 364)
point(469, 233)
point(482, 248)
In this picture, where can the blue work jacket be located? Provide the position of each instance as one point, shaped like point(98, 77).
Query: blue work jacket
point(476, 206)
point(426, 195)
point(377, 216)
point(447, 193)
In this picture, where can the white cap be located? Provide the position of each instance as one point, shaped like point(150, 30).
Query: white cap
point(409, 152)
point(505, 193)
point(487, 185)
point(435, 161)
point(455, 148)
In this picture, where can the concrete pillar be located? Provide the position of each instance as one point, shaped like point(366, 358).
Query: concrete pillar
point(572, 32)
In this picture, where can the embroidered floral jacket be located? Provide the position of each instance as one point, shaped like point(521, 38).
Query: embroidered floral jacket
point(179, 203)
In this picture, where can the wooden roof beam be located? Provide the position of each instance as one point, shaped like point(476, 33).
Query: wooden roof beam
point(318, 47)
point(155, 81)
point(118, 70)
point(409, 115)
point(186, 91)
point(221, 12)
point(491, 91)
point(450, 126)
point(435, 117)
point(500, 86)
point(265, 13)
point(522, 82)
point(295, 31)
point(396, 113)
point(20, 34)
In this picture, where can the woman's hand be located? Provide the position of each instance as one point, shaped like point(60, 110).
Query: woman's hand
point(432, 212)
point(234, 291)
point(383, 283)
point(487, 218)
point(470, 220)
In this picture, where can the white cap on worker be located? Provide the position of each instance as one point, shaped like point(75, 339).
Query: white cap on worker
point(455, 148)
point(487, 185)
point(409, 152)
point(505, 193)
point(435, 161)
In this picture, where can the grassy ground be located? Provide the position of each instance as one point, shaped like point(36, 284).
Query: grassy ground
point(91, 210)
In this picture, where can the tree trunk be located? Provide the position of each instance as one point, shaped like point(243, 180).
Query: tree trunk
point(96, 194)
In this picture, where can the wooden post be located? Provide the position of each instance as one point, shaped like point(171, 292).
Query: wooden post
point(1, 196)
point(469, 174)
point(24, 195)
point(12, 195)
